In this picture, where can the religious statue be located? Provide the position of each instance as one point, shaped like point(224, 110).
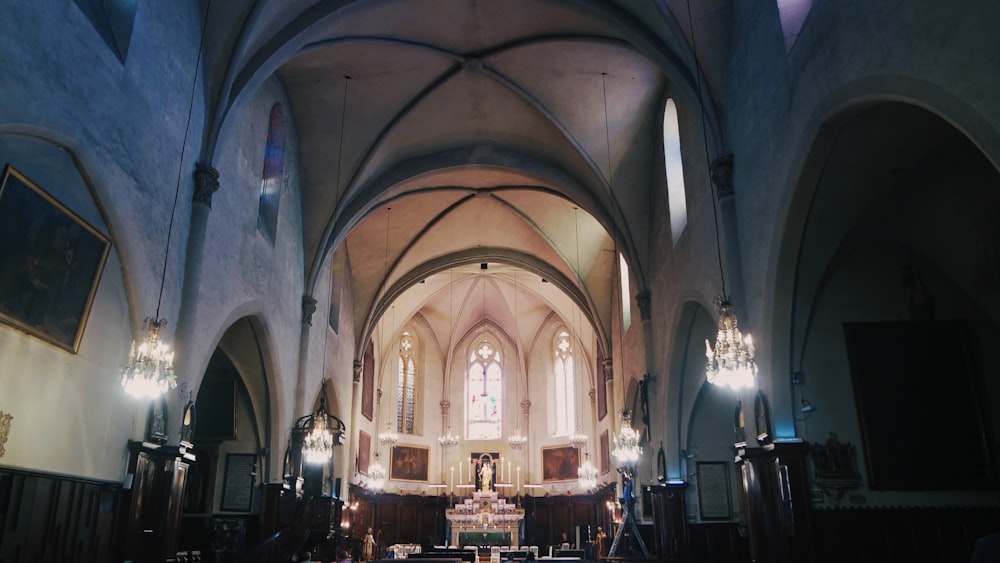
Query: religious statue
point(486, 477)
point(368, 546)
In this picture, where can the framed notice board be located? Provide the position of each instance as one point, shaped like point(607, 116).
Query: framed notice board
point(713, 490)
point(237, 486)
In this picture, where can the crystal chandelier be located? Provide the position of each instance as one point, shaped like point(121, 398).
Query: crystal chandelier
point(448, 440)
point(389, 438)
point(588, 474)
point(149, 372)
point(579, 440)
point(376, 475)
point(322, 432)
point(627, 449)
point(517, 441)
point(730, 363)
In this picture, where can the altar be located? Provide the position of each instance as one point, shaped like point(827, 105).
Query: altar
point(485, 519)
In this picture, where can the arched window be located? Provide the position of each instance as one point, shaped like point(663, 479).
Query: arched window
point(406, 384)
point(484, 398)
point(563, 372)
point(676, 196)
point(273, 174)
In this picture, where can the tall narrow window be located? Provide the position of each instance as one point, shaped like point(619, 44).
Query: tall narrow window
point(626, 290)
point(484, 386)
point(406, 384)
point(273, 174)
point(674, 168)
point(563, 378)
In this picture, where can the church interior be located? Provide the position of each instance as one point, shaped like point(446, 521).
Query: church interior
point(499, 280)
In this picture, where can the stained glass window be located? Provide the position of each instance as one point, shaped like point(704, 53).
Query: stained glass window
point(563, 379)
point(484, 403)
point(406, 384)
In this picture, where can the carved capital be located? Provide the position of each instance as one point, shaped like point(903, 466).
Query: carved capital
point(4, 429)
point(445, 406)
point(722, 175)
point(609, 372)
point(357, 371)
point(308, 308)
point(525, 405)
point(593, 396)
point(643, 302)
point(206, 182)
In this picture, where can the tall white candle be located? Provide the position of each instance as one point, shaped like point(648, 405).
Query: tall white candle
point(500, 477)
point(451, 480)
point(518, 479)
point(460, 473)
point(508, 470)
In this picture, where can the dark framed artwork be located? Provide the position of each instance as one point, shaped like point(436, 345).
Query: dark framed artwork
point(237, 484)
point(561, 463)
point(917, 388)
point(605, 453)
point(602, 388)
point(50, 263)
point(713, 490)
point(364, 451)
point(368, 381)
point(409, 463)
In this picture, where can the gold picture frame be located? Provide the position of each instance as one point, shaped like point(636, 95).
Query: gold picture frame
point(50, 263)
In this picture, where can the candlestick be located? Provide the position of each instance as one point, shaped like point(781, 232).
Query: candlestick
point(460, 473)
point(451, 480)
point(518, 479)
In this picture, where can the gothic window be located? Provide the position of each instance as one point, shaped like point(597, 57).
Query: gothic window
point(676, 198)
point(563, 379)
point(406, 384)
point(484, 407)
point(273, 174)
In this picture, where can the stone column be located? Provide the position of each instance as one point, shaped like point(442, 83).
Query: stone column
point(206, 182)
point(308, 308)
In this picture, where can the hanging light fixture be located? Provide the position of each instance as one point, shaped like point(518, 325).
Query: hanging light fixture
point(626, 442)
point(390, 437)
point(587, 474)
point(730, 363)
point(149, 371)
point(517, 441)
point(376, 475)
point(322, 432)
point(447, 440)
point(579, 440)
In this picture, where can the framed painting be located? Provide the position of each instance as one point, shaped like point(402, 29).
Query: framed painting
point(561, 463)
point(364, 451)
point(409, 463)
point(50, 263)
point(605, 453)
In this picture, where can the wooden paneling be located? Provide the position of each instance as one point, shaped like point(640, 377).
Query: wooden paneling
point(45, 517)
point(718, 543)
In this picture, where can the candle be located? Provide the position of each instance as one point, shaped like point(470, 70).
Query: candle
point(459, 472)
point(451, 480)
point(500, 477)
point(508, 470)
point(518, 479)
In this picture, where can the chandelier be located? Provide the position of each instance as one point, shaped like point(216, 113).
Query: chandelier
point(517, 441)
point(627, 449)
point(448, 440)
point(730, 363)
point(588, 474)
point(322, 432)
point(149, 372)
point(579, 440)
point(389, 438)
point(376, 475)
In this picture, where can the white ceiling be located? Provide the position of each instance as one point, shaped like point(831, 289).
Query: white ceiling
point(520, 133)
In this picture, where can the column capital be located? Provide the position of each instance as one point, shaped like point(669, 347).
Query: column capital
point(722, 175)
point(357, 371)
point(206, 182)
point(308, 308)
point(643, 301)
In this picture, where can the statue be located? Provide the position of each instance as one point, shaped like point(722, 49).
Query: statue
point(486, 477)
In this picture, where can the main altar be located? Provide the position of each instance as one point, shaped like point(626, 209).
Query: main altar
point(485, 519)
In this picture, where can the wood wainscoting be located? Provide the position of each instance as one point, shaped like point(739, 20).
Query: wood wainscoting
point(49, 517)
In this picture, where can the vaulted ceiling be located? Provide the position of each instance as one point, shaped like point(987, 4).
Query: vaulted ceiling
point(438, 135)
